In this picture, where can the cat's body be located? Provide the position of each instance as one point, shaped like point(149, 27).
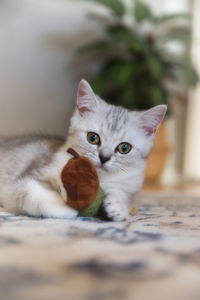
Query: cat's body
point(31, 165)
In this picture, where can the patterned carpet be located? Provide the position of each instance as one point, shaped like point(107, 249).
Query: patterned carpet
point(154, 256)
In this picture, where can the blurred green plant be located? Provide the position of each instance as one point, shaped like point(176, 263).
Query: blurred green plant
point(139, 68)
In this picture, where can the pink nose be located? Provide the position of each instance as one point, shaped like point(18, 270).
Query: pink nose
point(103, 158)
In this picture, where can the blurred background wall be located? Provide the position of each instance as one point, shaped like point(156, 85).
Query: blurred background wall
point(38, 74)
point(192, 145)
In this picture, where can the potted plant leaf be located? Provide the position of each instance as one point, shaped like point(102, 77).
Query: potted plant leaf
point(145, 59)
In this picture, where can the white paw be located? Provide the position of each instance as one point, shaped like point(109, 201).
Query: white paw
point(116, 210)
point(64, 212)
point(67, 212)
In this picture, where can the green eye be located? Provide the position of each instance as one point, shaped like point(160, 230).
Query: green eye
point(124, 148)
point(93, 138)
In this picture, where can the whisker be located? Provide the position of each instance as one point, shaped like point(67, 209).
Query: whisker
point(92, 155)
point(118, 163)
point(117, 166)
point(87, 153)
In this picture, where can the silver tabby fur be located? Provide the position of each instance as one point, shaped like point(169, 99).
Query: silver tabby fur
point(31, 165)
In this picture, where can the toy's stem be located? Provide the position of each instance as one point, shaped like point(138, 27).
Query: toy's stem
point(73, 152)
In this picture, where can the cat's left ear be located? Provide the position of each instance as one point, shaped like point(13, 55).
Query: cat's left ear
point(86, 99)
point(152, 118)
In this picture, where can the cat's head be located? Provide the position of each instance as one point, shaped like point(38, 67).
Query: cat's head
point(113, 137)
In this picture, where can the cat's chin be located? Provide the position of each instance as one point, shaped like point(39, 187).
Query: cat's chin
point(101, 167)
point(104, 168)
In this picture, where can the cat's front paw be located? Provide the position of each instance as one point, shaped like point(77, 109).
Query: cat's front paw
point(60, 212)
point(115, 210)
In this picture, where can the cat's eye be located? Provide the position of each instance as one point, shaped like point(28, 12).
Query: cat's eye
point(124, 148)
point(93, 138)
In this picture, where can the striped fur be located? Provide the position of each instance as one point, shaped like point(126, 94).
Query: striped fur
point(31, 165)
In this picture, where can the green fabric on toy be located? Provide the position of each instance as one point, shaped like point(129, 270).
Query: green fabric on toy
point(93, 209)
point(81, 182)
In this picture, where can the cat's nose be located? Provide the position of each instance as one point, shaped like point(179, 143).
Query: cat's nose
point(104, 158)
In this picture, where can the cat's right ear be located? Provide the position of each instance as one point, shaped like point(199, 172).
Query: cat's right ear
point(86, 99)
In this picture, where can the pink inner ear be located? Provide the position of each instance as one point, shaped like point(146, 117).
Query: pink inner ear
point(152, 118)
point(149, 130)
point(82, 97)
point(86, 99)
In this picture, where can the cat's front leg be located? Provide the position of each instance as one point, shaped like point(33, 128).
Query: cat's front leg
point(116, 206)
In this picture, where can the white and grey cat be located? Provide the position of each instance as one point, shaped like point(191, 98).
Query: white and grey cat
point(117, 141)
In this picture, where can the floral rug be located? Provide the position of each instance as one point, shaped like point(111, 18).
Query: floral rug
point(156, 255)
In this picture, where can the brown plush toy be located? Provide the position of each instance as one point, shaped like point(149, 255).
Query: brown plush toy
point(81, 182)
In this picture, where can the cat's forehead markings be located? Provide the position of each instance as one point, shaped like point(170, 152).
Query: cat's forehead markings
point(116, 117)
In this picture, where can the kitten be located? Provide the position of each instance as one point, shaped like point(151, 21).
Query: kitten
point(117, 141)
